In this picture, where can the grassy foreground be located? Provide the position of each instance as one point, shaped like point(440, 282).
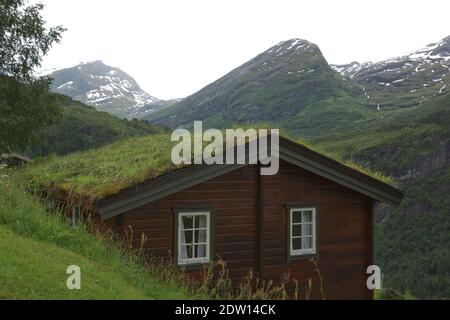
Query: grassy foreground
point(33, 269)
point(37, 246)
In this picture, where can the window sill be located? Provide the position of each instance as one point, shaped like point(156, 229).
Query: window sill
point(193, 265)
point(299, 257)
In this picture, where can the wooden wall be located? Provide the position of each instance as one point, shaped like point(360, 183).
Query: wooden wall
point(233, 198)
point(344, 230)
point(344, 236)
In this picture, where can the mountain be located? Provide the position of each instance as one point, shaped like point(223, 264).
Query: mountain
point(403, 81)
point(285, 84)
point(292, 85)
point(106, 88)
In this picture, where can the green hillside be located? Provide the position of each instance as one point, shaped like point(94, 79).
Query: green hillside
point(412, 242)
point(397, 143)
point(37, 246)
point(82, 127)
point(32, 269)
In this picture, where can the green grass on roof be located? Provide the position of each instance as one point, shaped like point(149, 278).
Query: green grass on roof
point(97, 173)
point(102, 172)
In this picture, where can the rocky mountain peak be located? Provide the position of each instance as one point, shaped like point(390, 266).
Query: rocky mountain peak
point(294, 46)
point(295, 56)
point(416, 77)
point(434, 51)
point(104, 87)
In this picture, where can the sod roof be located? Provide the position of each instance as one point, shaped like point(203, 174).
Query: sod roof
point(98, 173)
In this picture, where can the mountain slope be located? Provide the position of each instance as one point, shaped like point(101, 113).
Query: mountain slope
point(82, 127)
point(403, 81)
point(106, 88)
point(291, 84)
point(406, 143)
point(412, 242)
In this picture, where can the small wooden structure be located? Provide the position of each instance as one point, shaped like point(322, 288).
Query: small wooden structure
point(13, 160)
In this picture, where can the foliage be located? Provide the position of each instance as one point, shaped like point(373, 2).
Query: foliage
point(24, 110)
point(82, 127)
point(392, 295)
point(412, 242)
point(24, 39)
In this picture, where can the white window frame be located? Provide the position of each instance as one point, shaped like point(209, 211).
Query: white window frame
point(187, 261)
point(302, 252)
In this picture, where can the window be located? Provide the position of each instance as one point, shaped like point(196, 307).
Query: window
point(193, 237)
point(302, 231)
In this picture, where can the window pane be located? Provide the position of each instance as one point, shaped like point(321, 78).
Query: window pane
point(186, 251)
point(307, 229)
point(186, 237)
point(296, 216)
point(200, 236)
point(200, 221)
point(307, 243)
point(193, 240)
point(187, 222)
point(200, 251)
point(307, 216)
point(297, 244)
point(296, 230)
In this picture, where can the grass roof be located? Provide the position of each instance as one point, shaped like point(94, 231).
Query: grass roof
point(98, 173)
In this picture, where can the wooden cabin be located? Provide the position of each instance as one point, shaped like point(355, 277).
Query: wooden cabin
point(315, 207)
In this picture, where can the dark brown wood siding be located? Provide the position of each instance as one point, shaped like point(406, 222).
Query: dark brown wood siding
point(344, 227)
point(233, 199)
point(344, 238)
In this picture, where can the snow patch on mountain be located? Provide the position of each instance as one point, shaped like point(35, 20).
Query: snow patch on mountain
point(104, 87)
point(424, 70)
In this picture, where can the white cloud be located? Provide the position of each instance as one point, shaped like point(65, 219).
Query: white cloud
point(175, 47)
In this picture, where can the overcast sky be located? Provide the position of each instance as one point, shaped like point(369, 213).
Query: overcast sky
point(175, 47)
